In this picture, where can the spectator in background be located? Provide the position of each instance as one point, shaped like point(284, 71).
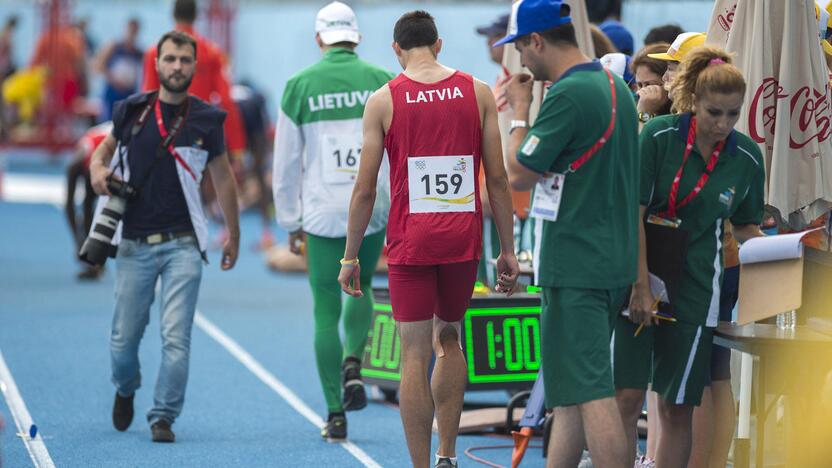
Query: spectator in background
point(7, 66)
point(252, 105)
point(663, 34)
point(121, 64)
point(83, 27)
point(618, 35)
point(493, 33)
point(620, 64)
point(63, 54)
point(601, 42)
point(652, 95)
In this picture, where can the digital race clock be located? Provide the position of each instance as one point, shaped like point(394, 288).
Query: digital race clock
point(500, 339)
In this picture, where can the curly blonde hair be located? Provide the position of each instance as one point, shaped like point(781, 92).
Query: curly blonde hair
point(704, 70)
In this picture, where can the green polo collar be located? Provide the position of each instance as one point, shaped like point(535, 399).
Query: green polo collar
point(684, 126)
point(339, 54)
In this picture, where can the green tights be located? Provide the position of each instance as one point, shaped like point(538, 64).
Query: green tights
point(323, 254)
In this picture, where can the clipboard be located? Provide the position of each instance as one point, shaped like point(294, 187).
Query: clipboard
point(667, 249)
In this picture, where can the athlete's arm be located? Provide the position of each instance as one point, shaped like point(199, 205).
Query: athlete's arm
point(496, 183)
point(226, 188)
point(519, 95)
point(287, 173)
point(100, 165)
point(376, 113)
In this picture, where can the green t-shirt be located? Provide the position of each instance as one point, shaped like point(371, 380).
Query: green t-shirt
point(734, 191)
point(594, 241)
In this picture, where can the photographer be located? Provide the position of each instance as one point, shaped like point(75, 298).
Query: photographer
point(162, 141)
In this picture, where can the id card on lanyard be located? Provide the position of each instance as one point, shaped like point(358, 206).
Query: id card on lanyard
point(669, 217)
point(168, 139)
point(549, 191)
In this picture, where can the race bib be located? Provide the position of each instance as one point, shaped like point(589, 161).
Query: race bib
point(547, 195)
point(340, 155)
point(441, 184)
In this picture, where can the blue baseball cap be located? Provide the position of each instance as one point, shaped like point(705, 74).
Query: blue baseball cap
point(528, 16)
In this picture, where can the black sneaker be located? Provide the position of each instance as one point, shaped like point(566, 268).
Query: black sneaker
point(122, 412)
point(161, 432)
point(445, 462)
point(355, 398)
point(336, 428)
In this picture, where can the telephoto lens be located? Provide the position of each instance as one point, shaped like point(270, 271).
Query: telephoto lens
point(98, 245)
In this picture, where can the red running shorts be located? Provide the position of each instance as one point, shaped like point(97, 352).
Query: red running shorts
point(420, 292)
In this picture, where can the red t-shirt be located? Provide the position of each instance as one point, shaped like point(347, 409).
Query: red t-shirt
point(440, 119)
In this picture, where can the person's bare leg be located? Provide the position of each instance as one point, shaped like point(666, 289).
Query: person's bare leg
point(630, 401)
point(604, 433)
point(675, 436)
point(448, 385)
point(703, 431)
point(415, 401)
point(725, 421)
point(653, 424)
point(566, 441)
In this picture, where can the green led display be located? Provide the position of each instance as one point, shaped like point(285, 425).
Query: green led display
point(501, 345)
point(382, 355)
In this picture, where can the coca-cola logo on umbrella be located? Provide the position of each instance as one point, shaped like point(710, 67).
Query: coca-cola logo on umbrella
point(809, 113)
point(727, 18)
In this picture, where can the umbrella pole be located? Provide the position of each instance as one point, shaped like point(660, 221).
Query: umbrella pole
point(742, 444)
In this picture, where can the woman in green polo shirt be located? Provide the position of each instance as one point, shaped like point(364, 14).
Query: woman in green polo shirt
point(697, 171)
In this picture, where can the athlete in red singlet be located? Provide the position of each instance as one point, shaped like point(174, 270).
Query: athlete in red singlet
point(437, 125)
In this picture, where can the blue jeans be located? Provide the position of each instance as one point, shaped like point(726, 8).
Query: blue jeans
point(178, 264)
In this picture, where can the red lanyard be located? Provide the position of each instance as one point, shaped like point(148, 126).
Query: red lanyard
point(606, 136)
point(170, 141)
point(672, 206)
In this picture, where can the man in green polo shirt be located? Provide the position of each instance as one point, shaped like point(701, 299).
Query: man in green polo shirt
point(316, 156)
point(581, 157)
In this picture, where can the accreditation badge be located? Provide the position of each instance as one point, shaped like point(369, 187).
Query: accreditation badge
point(667, 222)
point(340, 155)
point(547, 196)
point(441, 184)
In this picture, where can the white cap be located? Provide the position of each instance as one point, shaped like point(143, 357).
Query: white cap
point(335, 23)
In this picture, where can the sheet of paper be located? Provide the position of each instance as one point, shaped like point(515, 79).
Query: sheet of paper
point(773, 248)
point(657, 287)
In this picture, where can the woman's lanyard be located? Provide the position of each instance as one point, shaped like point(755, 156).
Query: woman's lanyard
point(168, 139)
point(672, 206)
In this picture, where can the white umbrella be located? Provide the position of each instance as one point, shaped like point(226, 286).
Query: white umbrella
point(787, 104)
point(720, 25)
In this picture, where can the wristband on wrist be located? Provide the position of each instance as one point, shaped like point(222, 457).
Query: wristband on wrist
point(354, 261)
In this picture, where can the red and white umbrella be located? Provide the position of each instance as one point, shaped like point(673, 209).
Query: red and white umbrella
point(787, 103)
point(720, 25)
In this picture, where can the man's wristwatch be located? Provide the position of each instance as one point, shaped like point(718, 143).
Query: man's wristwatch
point(517, 124)
point(643, 117)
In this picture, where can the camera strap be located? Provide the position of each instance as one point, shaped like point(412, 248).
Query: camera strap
point(168, 138)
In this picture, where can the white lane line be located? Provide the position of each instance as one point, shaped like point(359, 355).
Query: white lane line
point(22, 419)
point(269, 379)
